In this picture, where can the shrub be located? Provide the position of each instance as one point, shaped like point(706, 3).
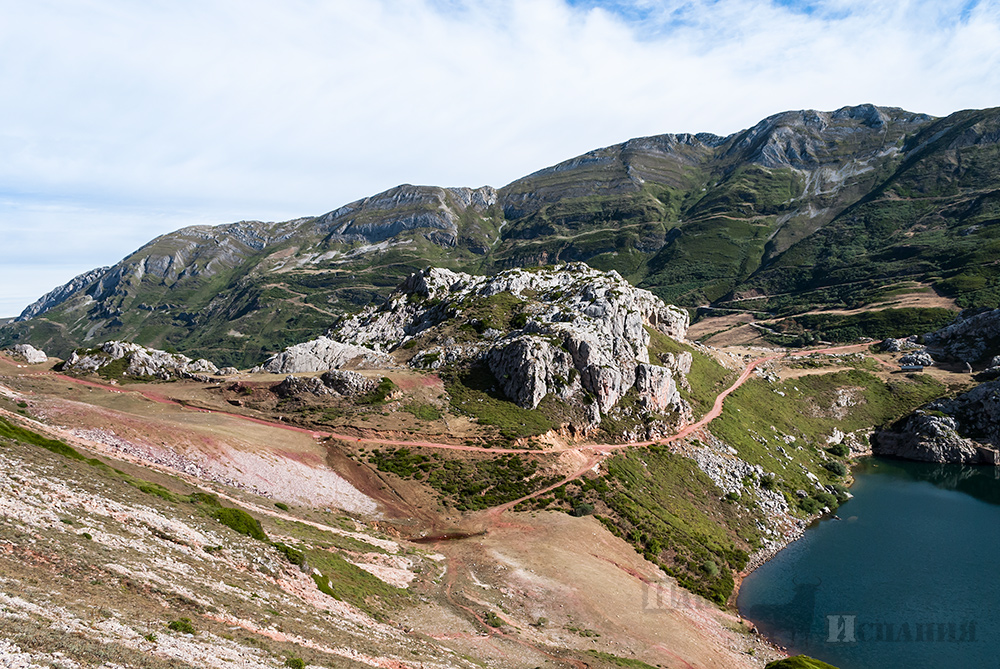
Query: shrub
point(295, 663)
point(836, 468)
point(240, 521)
point(840, 450)
point(182, 625)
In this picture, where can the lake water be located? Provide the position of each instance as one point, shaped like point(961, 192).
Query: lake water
point(906, 578)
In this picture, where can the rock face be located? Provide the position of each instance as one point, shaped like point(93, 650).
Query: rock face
point(576, 329)
point(965, 430)
point(333, 382)
point(30, 354)
point(142, 361)
point(973, 339)
point(324, 354)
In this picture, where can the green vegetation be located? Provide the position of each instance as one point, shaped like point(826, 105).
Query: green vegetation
point(492, 619)
point(620, 661)
point(423, 411)
point(660, 506)
point(344, 581)
point(295, 663)
point(183, 625)
point(809, 329)
point(10, 431)
point(240, 521)
point(707, 378)
point(465, 484)
point(476, 392)
point(799, 662)
point(379, 396)
point(281, 505)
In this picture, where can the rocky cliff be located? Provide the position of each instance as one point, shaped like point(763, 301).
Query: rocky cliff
point(571, 331)
point(964, 430)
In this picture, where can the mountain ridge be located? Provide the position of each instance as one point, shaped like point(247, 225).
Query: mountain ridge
point(765, 216)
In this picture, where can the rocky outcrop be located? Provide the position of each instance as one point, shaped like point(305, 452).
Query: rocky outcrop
point(324, 354)
point(971, 338)
point(333, 382)
point(577, 329)
point(30, 354)
point(892, 345)
point(964, 430)
point(348, 383)
point(141, 362)
point(922, 358)
point(528, 368)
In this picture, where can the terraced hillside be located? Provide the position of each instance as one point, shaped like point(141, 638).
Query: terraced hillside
point(805, 210)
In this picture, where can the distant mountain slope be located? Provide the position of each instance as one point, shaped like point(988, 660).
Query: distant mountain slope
point(805, 209)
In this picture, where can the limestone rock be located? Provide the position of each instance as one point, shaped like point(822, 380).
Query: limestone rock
point(298, 385)
point(348, 383)
point(892, 345)
point(142, 362)
point(972, 338)
point(963, 430)
point(922, 358)
point(324, 354)
point(528, 368)
point(656, 387)
point(31, 355)
point(228, 371)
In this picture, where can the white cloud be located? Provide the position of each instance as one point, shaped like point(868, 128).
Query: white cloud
point(258, 109)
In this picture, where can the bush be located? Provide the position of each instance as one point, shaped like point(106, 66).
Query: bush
point(840, 450)
point(281, 505)
point(836, 468)
point(240, 521)
point(183, 626)
point(295, 663)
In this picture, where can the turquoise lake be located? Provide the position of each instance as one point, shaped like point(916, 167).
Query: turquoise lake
point(906, 578)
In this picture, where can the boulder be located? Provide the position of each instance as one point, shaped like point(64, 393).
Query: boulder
point(348, 383)
point(31, 355)
point(972, 337)
point(922, 358)
point(298, 385)
point(323, 354)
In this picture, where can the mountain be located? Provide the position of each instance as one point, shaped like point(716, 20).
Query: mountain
point(805, 210)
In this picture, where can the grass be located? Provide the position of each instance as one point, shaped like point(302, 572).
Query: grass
point(240, 521)
point(799, 662)
point(874, 324)
point(475, 392)
point(617, 661)
point(707, 378)
point(342, 580)
point(660, 506)
point(17, 433)
point(469, 484)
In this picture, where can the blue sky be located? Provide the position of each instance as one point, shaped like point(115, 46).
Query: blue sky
point(125, 120)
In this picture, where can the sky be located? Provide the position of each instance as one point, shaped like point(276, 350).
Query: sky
point(124, 120)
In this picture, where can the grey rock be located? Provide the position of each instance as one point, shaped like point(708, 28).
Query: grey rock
point(969, 338)
point(656, 387)
point(891, 345)
point(228, 371)
point(142, 361)
point(31, 355)
point(922, 358)
point(348, 383)
point(963, 430)
point(323, 354)
point(299, 385)
point(528, 368)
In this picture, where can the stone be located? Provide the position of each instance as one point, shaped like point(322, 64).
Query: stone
point(142, 362)
point(972, 337)
point(323, 354)
point(656, 387)
point(528, 368)
point(299, 385)
point(922, 358)
point(348, 383)
point(228, 371)
point(31, 355)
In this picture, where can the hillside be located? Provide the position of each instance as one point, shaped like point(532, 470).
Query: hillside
point(805, 210)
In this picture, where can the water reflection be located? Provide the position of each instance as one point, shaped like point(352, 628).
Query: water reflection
point(978, 481)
